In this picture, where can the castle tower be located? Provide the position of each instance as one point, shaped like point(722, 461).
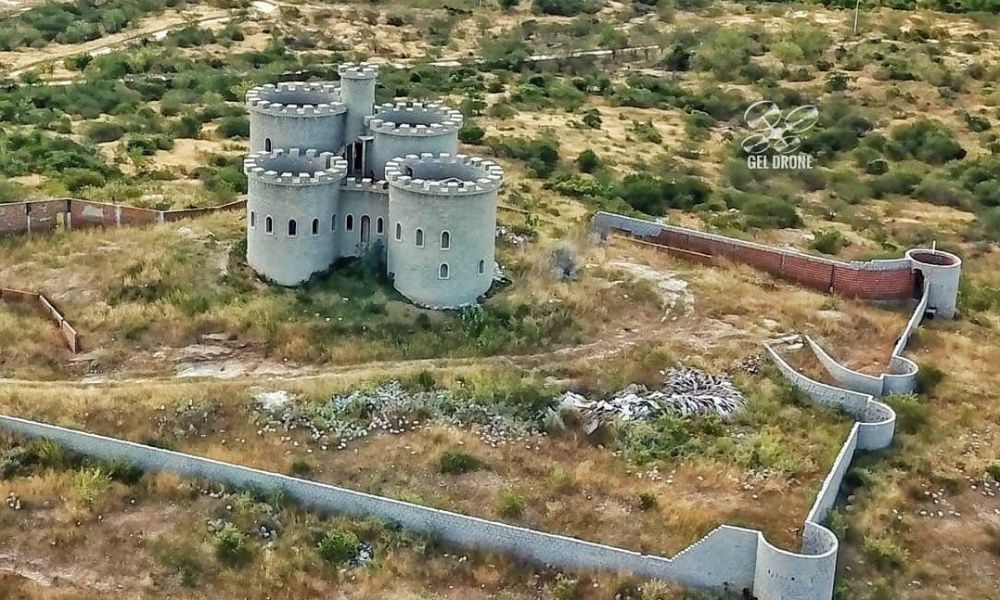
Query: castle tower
point(357, 89)
point(292, 203)
point(442, 223)
point(412, 128)
point(296, 115)
point(940, 273)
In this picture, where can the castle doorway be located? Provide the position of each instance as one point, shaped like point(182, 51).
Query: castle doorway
point(366, 229)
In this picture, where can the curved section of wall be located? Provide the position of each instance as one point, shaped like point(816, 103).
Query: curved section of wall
point(786, 575)
point(408, 128)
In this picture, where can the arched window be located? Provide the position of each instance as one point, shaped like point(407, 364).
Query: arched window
point(253, 220)
point(293, 228)
point(268, 225)
point(482, 267)
point(399, 232)
point(445, 240)
point(267, 144)
point(333, 223)
point(420, 238)
point(349, 223)
point(444, 271)
point(379, 226)
point(315, 226)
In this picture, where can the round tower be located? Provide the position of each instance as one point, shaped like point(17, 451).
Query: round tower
point(412, 128)
point(441, 230)
point(296, 115)
point(939, 272)
point(357, 90)
point(292, 204)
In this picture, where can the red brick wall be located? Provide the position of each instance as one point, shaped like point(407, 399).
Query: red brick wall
point(13, 218)
point(92, 214)
point(814, 272)
point(139, 216)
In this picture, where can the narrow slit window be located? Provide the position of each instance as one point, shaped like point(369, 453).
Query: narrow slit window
point(445, 240)
point(379, 226)
point(349, 223)
point(420, 238)
point(268, 225)
point(333, 223)
point(315, 228)
point(293, 228)
point(482, 267)
point(253, 220)
point(399, 232)
point(443, 271)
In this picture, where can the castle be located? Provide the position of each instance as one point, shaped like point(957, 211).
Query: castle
point(331, 175)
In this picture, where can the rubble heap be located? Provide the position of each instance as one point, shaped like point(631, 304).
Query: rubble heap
point(392, 409)
point(686, 391)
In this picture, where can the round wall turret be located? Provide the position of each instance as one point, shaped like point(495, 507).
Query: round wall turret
point(412, 128)
point(296, 115)
point(292, 205)
point(442, 223)
point(940, 273)
point(357, 89)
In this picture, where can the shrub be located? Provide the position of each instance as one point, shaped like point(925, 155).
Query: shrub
point(456, 462)
point(647, 501)
point(470, 133)
point(183, 558)
point(588, 161)
point(928, 377)
point(235, 127)
point(11, 191)
point(564, 8)
point(511, 504)
point(231, 545)
point(897, 181)
point(89, 486)
point(339, 545)
point(885, 552)
point(927, 141)
point(911, 413)
point(766, 212)
point(829, 241)
point(300, 467)
point(76, 179)
point(837, 523)
point(592, 118)
point(101, 131)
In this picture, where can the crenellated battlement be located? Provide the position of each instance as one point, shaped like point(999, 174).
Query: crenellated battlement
point(414, 119)
point(366, 185)
point(444, 174)
point(296, 99)
point(360, 70)
point(295, 167)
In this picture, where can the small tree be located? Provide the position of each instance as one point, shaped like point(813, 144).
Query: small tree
point(339, 545)
point(470, 133)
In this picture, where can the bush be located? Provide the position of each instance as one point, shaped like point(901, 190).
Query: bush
point(564, 8)
point(592, 118)
point(647, 501)
point(235, 127)
point(911, 413)
point(511, 504)
point(76, 179)
point(231, 545)
point(470, 133)
point(928, 377)
point(456, 462)
point(927, 141)
point(829, 241)
point(339, 545)
point(588, 161)
point(885, 552)
point(541, 154)
point(101, 131)
point(300, 467)
point(770, 213)
point(90, 486)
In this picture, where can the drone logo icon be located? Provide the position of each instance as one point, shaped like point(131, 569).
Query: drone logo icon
point(777, 133)
point(774, 130)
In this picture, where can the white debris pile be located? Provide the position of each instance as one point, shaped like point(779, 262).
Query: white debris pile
point(686, 391)
point(392, 409)
point(511, 237)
